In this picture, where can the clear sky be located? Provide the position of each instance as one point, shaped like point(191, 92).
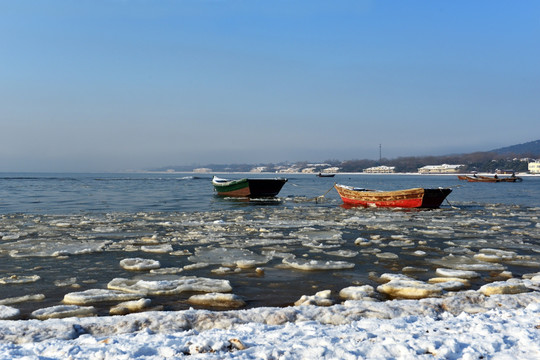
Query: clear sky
point(107, 85)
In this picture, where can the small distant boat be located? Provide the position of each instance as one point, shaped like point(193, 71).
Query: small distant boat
point(325, 175)
point(490, 179)
point(248, 187)
point(408, 198)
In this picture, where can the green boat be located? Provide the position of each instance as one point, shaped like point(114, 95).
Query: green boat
point(248, 187)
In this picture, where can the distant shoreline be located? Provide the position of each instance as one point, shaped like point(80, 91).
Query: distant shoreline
point(337, 173)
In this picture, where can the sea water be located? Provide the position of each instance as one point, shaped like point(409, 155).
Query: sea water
point(65, 233)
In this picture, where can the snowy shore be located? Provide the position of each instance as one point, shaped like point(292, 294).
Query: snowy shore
point(467, 325)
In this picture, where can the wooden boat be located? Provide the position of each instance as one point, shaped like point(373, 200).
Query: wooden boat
point(252, 187)
point(408, 198)
point(325, 175)
point(491, 179)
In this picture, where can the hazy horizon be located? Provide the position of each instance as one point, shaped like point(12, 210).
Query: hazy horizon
point(113, 85)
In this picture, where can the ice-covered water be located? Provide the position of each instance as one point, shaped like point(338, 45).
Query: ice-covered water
point(166, 237)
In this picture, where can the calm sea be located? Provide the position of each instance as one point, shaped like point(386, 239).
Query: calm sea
point(75, 193)
point(62, 233)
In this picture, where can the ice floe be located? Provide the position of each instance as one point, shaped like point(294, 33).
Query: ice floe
point(59, 247)
point(63, 311)
point(217, 300)
point(409, 289)
point(16, 279)
point(228, 257)
point(512, 286)
point(170, 287)
point(462, 274)
point(131, 306)
point(22, 299)
point(321, 298)
point(93, 296)
point(364, 292)
point(139, 264)
point(313, 265)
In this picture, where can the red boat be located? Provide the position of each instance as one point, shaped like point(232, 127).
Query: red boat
point(491, 179)
point(408, 198)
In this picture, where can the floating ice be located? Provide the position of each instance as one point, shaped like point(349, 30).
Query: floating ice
point(365, 292)
point(63, 311)
point(449, 285)
point(495, 255)
point(389, 277)
point(170, 287)
point(181, 252)
point(413, 269)
point(409, 289)
point(127, 307)
point(52, 248)
point(343, 253)
point(438, 280)
point(466, 263)
point(387, 256)
point(222, 270)
point(506, 237)
point(463, 274)
point(312, 265)
point(512, 286)
point(159, 249)
point(150, 239)
point(15, 279)
point(217, 300)
point(227, 257)
point(319, 235)
point(322, 298)
point(362, 241)
point(166, 271)
point(93, 296)
point(138, 264)
point(22, 299)
point(195, 266)
point(66, 282)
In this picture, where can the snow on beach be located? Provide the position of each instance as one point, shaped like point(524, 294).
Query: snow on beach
point(468, 325)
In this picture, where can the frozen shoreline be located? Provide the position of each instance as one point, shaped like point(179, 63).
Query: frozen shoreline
point(467, 325)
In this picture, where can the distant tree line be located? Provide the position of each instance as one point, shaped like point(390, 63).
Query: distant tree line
point(480, 161)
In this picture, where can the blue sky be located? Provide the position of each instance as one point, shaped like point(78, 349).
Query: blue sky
point(110, 85)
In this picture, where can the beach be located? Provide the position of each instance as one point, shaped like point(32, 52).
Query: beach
point(466, 326)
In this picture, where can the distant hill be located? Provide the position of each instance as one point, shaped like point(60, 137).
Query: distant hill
point(530, 149)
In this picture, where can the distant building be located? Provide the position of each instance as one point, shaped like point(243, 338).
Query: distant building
point(534, 167)
point(259, 169)
point(331, 170)
point(309, 170)
point(383, 169)
point(202, 170)
point(440, 169)
point(288, 170)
